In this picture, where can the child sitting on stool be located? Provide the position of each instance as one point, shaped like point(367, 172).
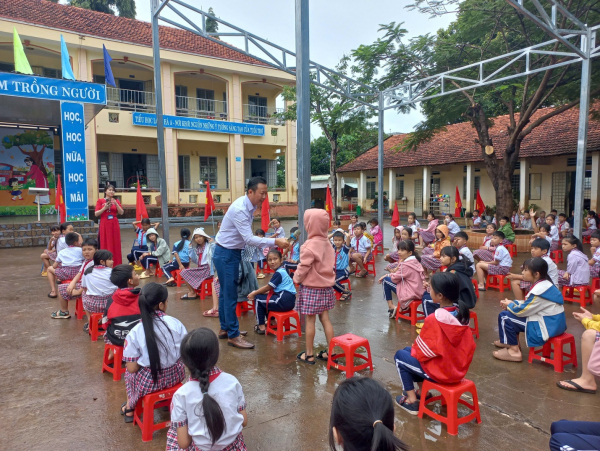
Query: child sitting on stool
point(539, 248)
point(49, 253)
point(181, 257)
point(578, 268)
point(341, 246)
point(67, 264)
point(158, 252)
point(72, 290)
point(501, 264)
point(96, 285)
point(360, 250)
point(140, 244)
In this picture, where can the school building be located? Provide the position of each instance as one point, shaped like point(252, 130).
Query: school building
point(545, 173)
point(200, 79)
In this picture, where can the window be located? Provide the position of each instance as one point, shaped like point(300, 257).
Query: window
point(476, 183)
point(257, 106)
point(103, 168)
point(100, 79)
point(225, 110)
point(52, 73)
point(435, 187)
point(208, 170)
point(587, 185)
point(152, 171)
point(464, 191)
point(515, 183)
point(573, 161)
point(535, 186)
point(7, 67)
point(418, 197)
point(399, 189)
point(206, 99)
point(184, 172)
point(477, 187)
point(559, 190)
point(134, 166)
point(181, 101)
point(371, 189)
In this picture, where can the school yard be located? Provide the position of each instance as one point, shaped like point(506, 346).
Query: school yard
point(55, 397)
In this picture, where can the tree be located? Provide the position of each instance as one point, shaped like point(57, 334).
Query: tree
point(125, 8)
point(37, 139)
point(485, 28)
point(212, 26)
point(281, 171)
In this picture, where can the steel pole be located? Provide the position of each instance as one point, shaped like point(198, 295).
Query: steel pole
point(160, 127)
point(303, 112)
point(380, 163)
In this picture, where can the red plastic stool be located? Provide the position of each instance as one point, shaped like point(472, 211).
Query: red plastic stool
point(349, 344)
point(586, 239)
point(284, 326)
point(475, 328)
point(450, 395)
point(159, 272)
point(205, 288)
point(501, 283)
point(93, 327)
point(584, 297)
point(595, 284)
point(411, 313)
point(266, 270)
point(242, 307)
point(476, 287)
point(378, 249)
point(79, 312)
point(370, 267)
point(512, 249)
point(144, 411)
point(117, 369)
point(177, 276)
point(557, 256)
point(343, 282)
point(555, 345)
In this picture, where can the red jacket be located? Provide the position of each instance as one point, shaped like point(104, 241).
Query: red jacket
point(444, 348)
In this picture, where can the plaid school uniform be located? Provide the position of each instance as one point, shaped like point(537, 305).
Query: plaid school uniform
point(314, 301)
point(195, 276)
point(497, 270)
point(391, 267)
point(595, 269)
point(94, 304)
point(66, 272)
point(139, 384)
point(51, 254)
point(485, 255)
point(430, 262)
point(62, 290)
point(427, 251)
point(428, 237)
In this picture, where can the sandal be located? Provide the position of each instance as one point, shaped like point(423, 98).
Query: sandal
point(186, 297)
point(170, 284)
point(305, 359)
point(345, 296)
point(480, 288)
point(52, 297)
point(258, 330)
point(260, 276)
point(362, 274)
point(125, 411)
point(578, 387)
point(212, 313)
point(392, 312)
point(145, 276)
point(59, 314)
point(505, 356)
point(499, 344)
point(86, 328)
point(325, 359)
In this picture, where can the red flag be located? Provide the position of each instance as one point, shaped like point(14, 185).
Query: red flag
point(479, 205)
point(140, 206)
point(265, 215)
point(59, 201)
point(396, 216)
point(329, 205)
point(210, 203)
point(457, 204)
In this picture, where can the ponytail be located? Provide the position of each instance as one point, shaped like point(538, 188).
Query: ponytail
point(574, 241)
point(409, 246)
point(448, 285)
point(152, 295)
point(99, 256)
point(185, 234)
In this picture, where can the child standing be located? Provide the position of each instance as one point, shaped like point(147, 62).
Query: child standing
point(431, 255)
point(592, 222)
point(158, 253)
point(199, 255)
point(543, 310)
point(96, 284)
point(278, 231)
point(49, 253)
point(151, 350)
point(263, 260)
point(316, 277)
point(283, 298)
point(578, 268)
point(122, 312)
point(501, 264)
point(67, 263)
point(341, 247)
point(427, 236)
point(594, 262)
point(453, 227)
point(181, 259)
point(540, 248)
point(218, 395)
point(376, 232)
point(72, 290)
point(360, 250)
point(444, 349)
point(486, 250)
point(506, 229)
point(460, 242)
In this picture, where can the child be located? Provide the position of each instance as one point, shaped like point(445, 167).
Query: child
point(554, 233)
point(151, 349)
point(427, 236)
point(544, 233)
point(96, 284)
point(540, 248)
point(526, 221)
point(404, 235)
point(543, 310)
point(50, 251)
point(360, 250)
point(65, 227)
point(541, 218)
point(315, 276)
point(72, 290)
point(67, 263)
point(444, 349)
point(353, 222)
point(214, 393)
point(514, 220)
point(140, 245)
point(578, 268)
point(413, 225)
point(181, 258)
point(506, 229)
point(460, 241)
point(341, 246)
point(275, 224)
point(594, 262)
point(393, 255)
point(15, 191)
point(431, 255)
point(291, 264)
point(284, 297)
point(563, 226)
point(263, 261)
point(476, 220)
point(486, 250)
point(453, 227)
point(592, 222)
point(195, 276)
point(158, 253)
point(122, 312)
point(406, 280)
point(376, 232)
point(356, 402)
point(501, 264)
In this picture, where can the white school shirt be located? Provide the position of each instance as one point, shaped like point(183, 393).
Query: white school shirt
point(549, 239)
point(98, 282)
point(552, 270)
point(477, 221)
point(563, 226)
point(502, 256)
point(364, 244)
point(279, 233)
point(465, 251)
point(453, 227)
point(591, 223)
point(227, 391)
point(61, 244)
point(412, 228)
point(351, 229)
point(554, 233)
point(70, 256)
point(135, 343)
point(418, 224)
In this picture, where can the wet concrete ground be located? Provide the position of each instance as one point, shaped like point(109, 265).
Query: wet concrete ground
point(54, 395)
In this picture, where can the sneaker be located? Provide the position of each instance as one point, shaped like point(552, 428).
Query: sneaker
point(59, 314)
point(260, 276)
point(412, 408)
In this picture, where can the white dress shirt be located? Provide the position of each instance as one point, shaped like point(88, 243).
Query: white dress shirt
point(236, 229)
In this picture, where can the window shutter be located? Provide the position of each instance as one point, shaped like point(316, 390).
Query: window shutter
point(152, 171)
point(272, 173)
point(116, 169)
point(247, 171)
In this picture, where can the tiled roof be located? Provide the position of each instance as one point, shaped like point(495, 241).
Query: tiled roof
point(556, 136)
point(92, 23)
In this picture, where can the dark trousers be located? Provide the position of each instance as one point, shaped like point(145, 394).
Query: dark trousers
point(149, 260)
point(227, 267)
point(409, 369)
point(173, 266)
point(389, 288)
point(509, 327)
point(340, 274)
point(575, 435)
point(284, 301)
point(136, 251)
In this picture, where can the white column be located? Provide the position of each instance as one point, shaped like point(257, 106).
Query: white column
point(470, 194)
point(362, 190)
point(339, 178)
point(595, 199)
point(524, 184)
point(391, 188)
point(426, 188)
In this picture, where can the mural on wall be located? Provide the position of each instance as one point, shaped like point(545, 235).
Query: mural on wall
point(26, 161)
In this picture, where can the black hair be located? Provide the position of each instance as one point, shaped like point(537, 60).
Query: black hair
point(152, 295)
point(551, 216)
point(145, 221)
point(293, 230)
point(574, 241)
point(499, 234)
point(546, 227)
point(413, 215)
point(362, 412)
point(337, 222)
point(106, 187)
point(562, 214)
point(491, 224)
point(541, 243)
point(64, 226)
point(430, 213)
point(593, 213)
point(11, 180)
point(374, 221)
point(359, 224)
point(538, 265)
point(30, 159)
point(71, 238)
point(259, 232)
point(409, 246)
point(276, 252)
point(185, 234)
point(462, 235)
point(254, 182)
point(448, 285)
point(452, 252)
point(200, 353)
point(595, 234)
point(54, 228)
point(99, 256)
point(553, 210)
point(354, 216)
point(93, 242)
point(506, 218)
point(476, 211)
point(276, 219)
point(339, 234)
point(450, 215)
point(120, 275)
point(363, 225)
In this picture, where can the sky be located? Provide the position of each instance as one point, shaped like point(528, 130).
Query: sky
point(336, 28)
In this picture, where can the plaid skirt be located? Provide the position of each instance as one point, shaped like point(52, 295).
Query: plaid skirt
point(139, 384)
point(595, 271)
point(391, 267)
point(428, 237)
point(430, 262)
point(394, 256)
point(352, 252)
point(484, 255)
point(497, 270)
point(62, 289)
point(94, 304)
point(505, 242)
point(587, 232)
point(525, 286)
point(427, 251)
point(554, 245)
point(66, 272)
point(314, 301)
point(562, 281)
point(172, 445)
point(217, 288)
point(195, 276)
point(51, 254)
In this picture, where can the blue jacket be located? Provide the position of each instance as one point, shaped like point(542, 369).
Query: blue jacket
point(544, 311)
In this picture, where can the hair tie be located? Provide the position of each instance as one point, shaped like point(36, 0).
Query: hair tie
point(377, 421)
point(204, 392)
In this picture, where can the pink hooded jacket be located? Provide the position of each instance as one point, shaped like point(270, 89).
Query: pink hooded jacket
point(317, 257)
point(409, 279)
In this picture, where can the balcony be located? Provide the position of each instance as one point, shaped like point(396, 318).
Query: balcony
point(130, 100)
point(201, 108)
point(254, 114)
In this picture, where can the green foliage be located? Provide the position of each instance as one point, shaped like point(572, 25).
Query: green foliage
point(281, 171)
point(212, 26)
point(29, 138)
point(125, 8)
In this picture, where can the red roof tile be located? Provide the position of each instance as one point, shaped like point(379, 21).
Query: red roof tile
point(92, 23)
point(556, 136)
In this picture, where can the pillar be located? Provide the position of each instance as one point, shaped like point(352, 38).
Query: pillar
point(237, 179)
point(362, 190)
point(391, 188)
point(291, 161)
point(470, 194)
point(595, 194)
point(338, 178)
point(426, 188)
point(170, 135)
point(524, 184)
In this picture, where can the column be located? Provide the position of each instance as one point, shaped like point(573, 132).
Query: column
point(339, 178)
point(237, 179)
point(362, 190)
point(470, 194)
point(524, 184)
point(426, 188)
point(595, 195)
point(391, 188)
point(291, 161)
point(170, 135)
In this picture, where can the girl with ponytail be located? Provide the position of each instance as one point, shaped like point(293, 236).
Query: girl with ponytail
point(96, 284)
point(209, 411)
point(181, 257)
point(152, 349)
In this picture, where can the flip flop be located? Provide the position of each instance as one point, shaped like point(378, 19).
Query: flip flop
point(52, 297)
point(185, 297)
point(481, 289)
point(578, 387)
point(362, 274)
point(305, 359)
point(211, 313)
point(499, 344)
point(504, 355)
